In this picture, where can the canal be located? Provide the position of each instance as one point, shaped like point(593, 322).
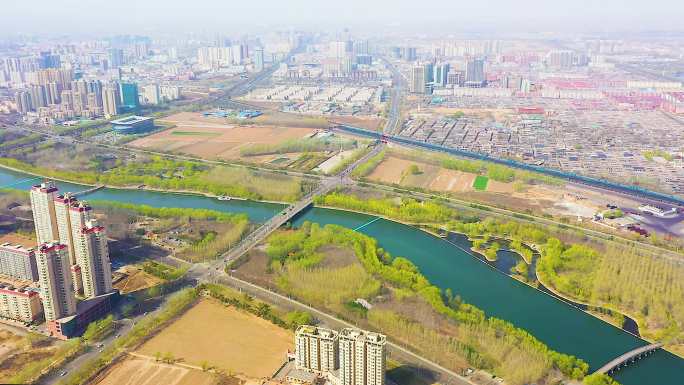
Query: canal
point(448, 264)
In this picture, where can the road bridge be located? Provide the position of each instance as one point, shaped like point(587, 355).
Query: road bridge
point(628, 358)
point(291, 211)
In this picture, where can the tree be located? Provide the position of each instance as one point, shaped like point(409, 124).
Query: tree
point(263, 310)
point(599, 379)
point(168, 358)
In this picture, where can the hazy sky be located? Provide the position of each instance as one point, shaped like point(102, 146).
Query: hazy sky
point(151, 16)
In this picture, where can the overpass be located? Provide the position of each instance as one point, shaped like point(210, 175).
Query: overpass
point(628, 358)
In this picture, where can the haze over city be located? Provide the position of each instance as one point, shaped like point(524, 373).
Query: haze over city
point(397, 16)
point(341, 193)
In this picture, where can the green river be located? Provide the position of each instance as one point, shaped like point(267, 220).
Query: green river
point(448, 264)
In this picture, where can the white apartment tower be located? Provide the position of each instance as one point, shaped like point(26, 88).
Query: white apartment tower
point(55, 281)
point(43, 207)
point(72, 216)
point(316, 349)
point(92, 255)
point(362, 357)
point(65, 220)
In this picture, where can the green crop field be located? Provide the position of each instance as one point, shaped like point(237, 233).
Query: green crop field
point(480, 183)
point(195, 133)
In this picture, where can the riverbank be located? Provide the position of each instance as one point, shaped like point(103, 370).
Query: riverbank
point(137, 188)
point(471, 251)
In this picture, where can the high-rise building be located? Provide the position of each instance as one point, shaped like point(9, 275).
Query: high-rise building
point(150, 94)
point(110, 101)
point(48, 60)
point(23, 101)
point(38, 96)
point(65, 220)
point(338, 49)
point(71, 215)
point(410, 54)
point(129, 96)
point(116, 57)
point(56, 288)
point(92, 255)
point(18, 262)
point(362, 357)
point(259, 59)
point(560, 59)
point(417, 85)
point(475, 75)
point(361, 47)
point(238, 53)
point(316, 349)
point(429, 72)
point(441, 73)
point(43, 207)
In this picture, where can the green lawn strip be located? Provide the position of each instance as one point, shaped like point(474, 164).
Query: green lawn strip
point(195, 133)
point(480, 183)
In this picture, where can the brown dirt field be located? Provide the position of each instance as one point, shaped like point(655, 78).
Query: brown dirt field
point(225, 338)
point(17, 239)
point(136, 280)
point(390, 170)
point(423, 179)
point(142, 371)
point(499, 187)
point(221, 140)
point(452, 180)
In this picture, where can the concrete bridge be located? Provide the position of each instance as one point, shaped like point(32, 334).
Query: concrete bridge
point(628, 358)
point(288, 213)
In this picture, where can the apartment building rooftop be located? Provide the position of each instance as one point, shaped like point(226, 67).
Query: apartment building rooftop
point(359, 334)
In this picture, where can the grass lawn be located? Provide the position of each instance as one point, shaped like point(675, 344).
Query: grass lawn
point(195, 133)
point(480, 183)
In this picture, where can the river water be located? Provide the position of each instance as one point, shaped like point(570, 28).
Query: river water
point(447, 263)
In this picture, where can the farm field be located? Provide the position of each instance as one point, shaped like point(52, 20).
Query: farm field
point(480, 183)
point(135, 370)
point(225, 338)
point(215, 138)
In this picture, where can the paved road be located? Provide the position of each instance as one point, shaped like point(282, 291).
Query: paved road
point(123, 327)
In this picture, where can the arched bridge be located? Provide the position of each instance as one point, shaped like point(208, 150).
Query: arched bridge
point(628, 358)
